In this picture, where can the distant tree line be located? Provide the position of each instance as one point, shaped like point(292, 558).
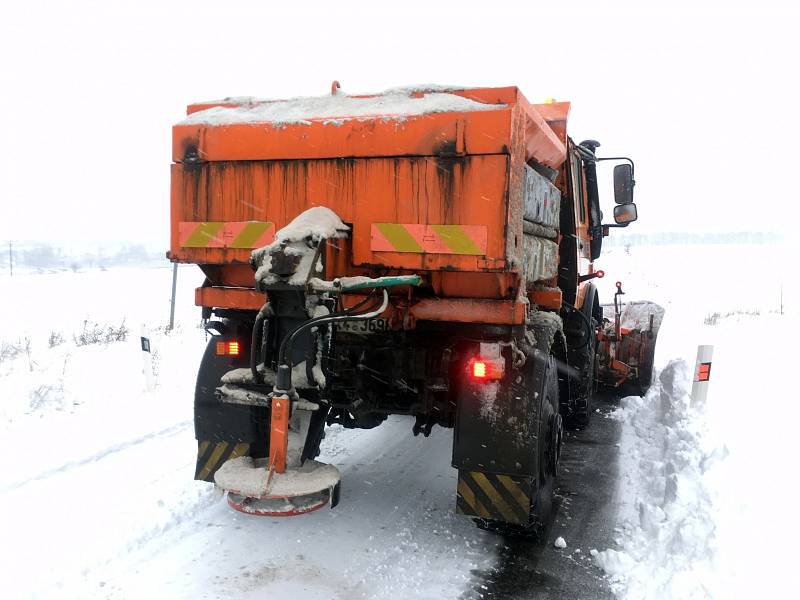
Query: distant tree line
point(683, 238)
point(35, 255)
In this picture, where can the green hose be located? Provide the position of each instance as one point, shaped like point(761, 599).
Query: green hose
point(349, 284)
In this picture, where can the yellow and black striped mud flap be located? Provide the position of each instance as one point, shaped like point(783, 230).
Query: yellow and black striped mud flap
point(212, 455)
point(491, 496)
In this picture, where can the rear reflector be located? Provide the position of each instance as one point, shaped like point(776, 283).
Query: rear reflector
point(230, 348)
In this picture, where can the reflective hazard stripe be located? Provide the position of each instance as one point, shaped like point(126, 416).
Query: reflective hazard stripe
point(228, 234)
point(432, 239)
point(211, 457)
point(494, 496)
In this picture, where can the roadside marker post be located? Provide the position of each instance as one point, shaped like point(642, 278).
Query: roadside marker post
point(702, 374)
point(147, 361)
point(172, 302)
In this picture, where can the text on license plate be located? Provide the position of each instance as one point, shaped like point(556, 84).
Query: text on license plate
point(365, 326)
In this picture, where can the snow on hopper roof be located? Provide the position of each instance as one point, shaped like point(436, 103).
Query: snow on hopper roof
point(392, 105)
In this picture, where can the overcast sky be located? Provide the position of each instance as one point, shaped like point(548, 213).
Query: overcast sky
point(705, 100)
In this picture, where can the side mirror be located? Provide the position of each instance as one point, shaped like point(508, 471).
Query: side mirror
point(623, 186)
point(625, 213)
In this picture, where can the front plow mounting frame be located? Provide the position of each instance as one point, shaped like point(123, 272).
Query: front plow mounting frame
point(627, 344)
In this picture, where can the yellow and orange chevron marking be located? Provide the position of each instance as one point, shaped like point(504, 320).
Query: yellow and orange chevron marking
point(433, 239)
point(230, 234)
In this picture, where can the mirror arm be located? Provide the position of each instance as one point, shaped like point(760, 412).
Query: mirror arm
point(619, 158)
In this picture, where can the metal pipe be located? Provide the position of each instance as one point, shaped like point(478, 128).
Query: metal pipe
point(172, 305)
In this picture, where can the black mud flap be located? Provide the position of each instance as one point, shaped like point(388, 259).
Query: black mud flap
point(224, 430)
point(496, 442)
point(496, 422)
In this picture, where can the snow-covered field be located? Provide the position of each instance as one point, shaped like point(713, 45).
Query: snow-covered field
point(97, 498)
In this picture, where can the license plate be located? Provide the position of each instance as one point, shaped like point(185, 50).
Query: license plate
point(366, 326)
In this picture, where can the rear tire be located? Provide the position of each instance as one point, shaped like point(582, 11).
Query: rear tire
point(581, 412)
point(550, 440)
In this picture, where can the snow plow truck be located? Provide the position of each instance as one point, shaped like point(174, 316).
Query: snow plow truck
point(424, 252)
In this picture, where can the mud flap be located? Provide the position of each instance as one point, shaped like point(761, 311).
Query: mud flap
point(499, 443)
point(224, 430)
point(495, 444)
point(496, 429)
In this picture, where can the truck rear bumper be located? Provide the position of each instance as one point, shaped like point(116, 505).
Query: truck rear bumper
point(454, 310)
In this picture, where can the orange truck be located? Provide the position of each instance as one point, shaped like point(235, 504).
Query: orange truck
point(425, 252)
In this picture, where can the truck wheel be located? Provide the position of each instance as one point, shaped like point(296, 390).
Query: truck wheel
point(581, 412)
point(550, 439)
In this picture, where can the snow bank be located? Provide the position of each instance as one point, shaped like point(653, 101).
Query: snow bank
point(393, 104)
point(667, 550)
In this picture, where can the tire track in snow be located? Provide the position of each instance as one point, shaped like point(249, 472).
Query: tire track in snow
point(114, 506)
point(167, 432)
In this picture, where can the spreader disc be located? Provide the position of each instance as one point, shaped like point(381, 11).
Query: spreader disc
point(279, 507)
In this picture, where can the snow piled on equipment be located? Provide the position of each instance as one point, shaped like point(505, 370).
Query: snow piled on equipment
point(334, 109)
point(315, 224)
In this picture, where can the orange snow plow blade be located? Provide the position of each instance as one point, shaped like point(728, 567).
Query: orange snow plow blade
point(627, 345)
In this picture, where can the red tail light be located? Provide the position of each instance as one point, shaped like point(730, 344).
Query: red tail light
point(230, 348)
point(487, 369)
point(479, 369)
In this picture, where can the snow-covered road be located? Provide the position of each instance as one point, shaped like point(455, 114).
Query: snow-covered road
point(99, 502)
point(97, 498)
point(393, 535)
point(132, 524)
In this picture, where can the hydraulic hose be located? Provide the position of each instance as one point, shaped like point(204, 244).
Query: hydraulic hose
point(359, 305)
point(288, 341)
point(284, 377)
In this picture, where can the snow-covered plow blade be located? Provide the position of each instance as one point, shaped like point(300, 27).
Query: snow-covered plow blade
point(627, 343)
